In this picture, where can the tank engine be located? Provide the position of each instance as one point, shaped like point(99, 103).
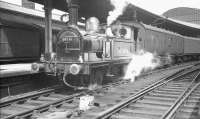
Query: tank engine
point(88, 56)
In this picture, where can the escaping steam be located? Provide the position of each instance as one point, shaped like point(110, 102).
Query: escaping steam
point(141, 61)
point(119, 6)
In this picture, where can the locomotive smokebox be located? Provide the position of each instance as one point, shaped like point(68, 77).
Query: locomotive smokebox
point(73, 14)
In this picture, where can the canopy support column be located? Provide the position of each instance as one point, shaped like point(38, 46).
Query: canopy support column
point(48, 28)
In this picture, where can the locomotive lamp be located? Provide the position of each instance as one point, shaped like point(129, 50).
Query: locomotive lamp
point(74, 69)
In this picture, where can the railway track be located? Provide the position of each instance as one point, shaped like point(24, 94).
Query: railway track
point(160, 100)
point(188, 107)
point(55, 100)
point(43, 101)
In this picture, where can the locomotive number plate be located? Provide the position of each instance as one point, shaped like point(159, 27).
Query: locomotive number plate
point(69, 39)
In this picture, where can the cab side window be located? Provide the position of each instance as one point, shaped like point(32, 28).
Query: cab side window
point(125, 32)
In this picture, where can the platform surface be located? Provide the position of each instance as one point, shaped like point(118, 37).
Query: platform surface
point(10, 70)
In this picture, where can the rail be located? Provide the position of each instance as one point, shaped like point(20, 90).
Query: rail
point(116, 108)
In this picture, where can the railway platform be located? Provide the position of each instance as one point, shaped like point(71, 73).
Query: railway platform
point(10, 70)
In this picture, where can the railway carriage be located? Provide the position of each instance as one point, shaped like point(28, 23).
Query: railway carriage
point(169, 44)
point(19, 42)
point(164, 43)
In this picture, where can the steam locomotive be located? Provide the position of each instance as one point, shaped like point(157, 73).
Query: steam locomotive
point(90, 56)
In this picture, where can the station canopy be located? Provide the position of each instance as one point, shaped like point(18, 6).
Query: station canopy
point(101, 8)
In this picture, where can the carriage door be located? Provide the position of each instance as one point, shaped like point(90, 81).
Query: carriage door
point(135, 33)
point(139, 37)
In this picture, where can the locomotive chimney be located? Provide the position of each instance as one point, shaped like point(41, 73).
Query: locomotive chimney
point(73, 14)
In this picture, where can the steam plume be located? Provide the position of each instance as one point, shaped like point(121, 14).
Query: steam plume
point(140, 61)
point(119, 6)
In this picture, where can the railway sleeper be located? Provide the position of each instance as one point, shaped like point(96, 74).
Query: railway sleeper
point(158, 98)
point(170, 90)
point(189, 110)
point(143, 111)
point(36, 102)
point(69, 106)
point(164, 95)
point(25, 106)
point(42, 98)
point(148, 106)
point(12, 110)
point(186, 116)
point(126, 116)
point(156, 102)
point(166, 92)
point(175, 88)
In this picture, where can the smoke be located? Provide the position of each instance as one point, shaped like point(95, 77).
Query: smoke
point(140, 61)
point(109, 32)
point(119, 6)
